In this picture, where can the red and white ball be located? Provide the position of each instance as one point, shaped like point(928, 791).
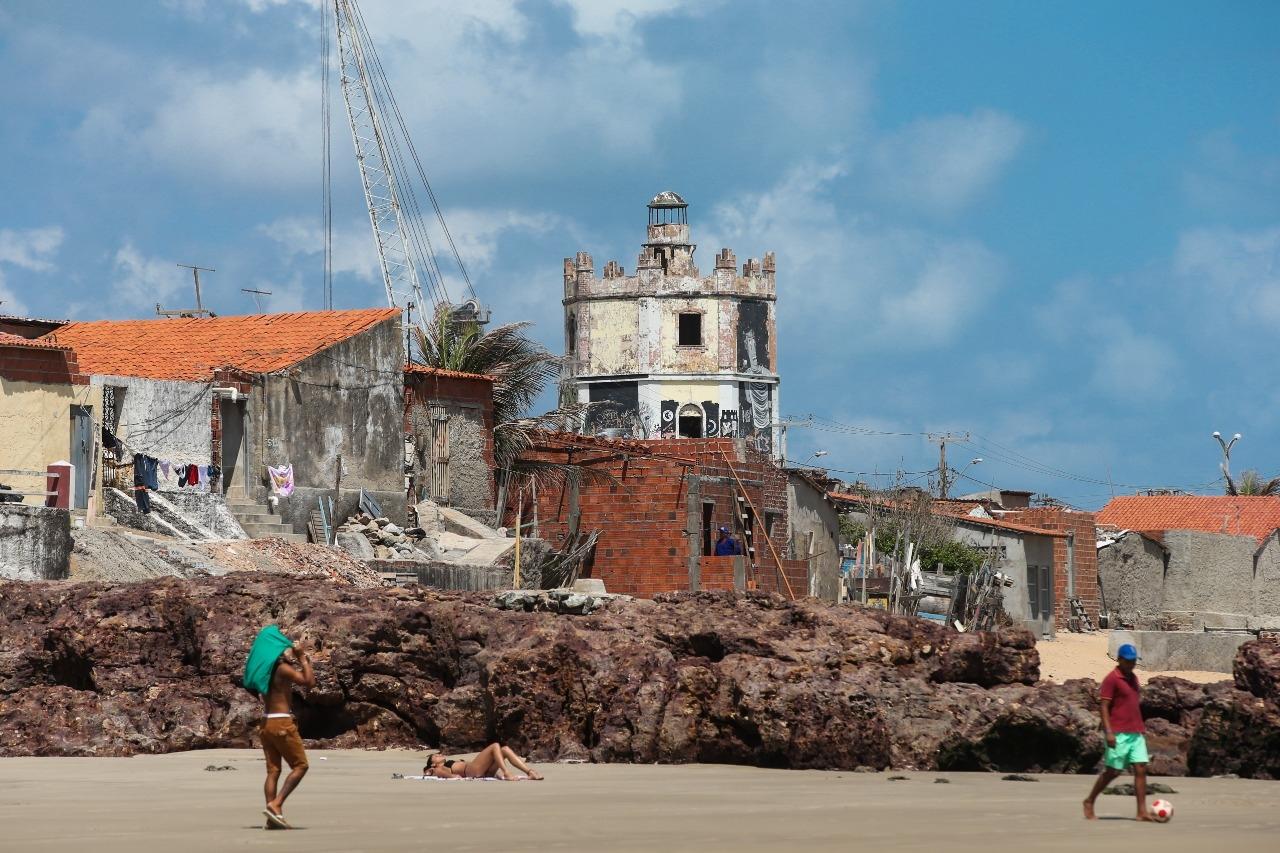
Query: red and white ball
point(1161, 810)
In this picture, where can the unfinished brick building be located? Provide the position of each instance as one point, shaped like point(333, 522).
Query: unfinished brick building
point(669, 352)
point(659, 514)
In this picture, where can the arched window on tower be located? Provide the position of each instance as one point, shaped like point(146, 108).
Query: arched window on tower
point(690, 421)
point(571, 332)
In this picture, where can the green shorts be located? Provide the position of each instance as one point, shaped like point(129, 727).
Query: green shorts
point(1130, 748)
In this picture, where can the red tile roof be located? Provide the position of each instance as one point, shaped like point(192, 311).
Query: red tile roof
point(1239, 516)
point(192, 348)
point(424, 370)
point(8, 340)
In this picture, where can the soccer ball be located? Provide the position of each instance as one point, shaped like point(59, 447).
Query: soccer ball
point(1162, 810)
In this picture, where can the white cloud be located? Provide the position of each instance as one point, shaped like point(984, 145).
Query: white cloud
point(913, 288)
point(31, 248)
point(1234, 272)
point(618, 18)
point(941, 163)
point(476, 95)
point(141, 282)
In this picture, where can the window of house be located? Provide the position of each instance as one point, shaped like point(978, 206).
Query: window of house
point(690, 330)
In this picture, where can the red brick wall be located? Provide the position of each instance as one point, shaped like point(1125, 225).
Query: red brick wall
point(648, 535)
point(47, 366)
point(1082, 524)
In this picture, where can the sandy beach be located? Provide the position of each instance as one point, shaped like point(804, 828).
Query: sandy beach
point(1070, 656)
point(350, 802)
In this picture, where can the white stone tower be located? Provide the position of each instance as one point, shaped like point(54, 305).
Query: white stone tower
point(672, 353)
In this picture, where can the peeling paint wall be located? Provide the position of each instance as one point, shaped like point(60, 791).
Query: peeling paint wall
point(348, 401)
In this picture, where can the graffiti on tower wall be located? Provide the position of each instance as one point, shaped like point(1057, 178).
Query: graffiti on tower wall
point(667, 429)
point(755, 418)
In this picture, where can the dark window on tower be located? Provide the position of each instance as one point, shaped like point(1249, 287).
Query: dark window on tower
point(690, 330)
point(571, 331)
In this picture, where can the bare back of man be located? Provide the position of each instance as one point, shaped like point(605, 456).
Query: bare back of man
point(281, 741)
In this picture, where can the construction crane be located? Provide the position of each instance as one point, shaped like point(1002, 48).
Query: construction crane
point(384, 153)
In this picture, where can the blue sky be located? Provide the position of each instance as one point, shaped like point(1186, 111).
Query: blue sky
point(1055, 226)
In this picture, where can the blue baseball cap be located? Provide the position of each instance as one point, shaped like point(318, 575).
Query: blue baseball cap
point(1127, 652)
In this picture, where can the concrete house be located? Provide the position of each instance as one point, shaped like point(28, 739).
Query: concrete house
point(1025, 553)
point(449, 427)
point(1191, 561)
point(669, 352)
point(322, 391)
point(813, 522)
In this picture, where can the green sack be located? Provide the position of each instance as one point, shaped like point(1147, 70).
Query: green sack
point(269, 645)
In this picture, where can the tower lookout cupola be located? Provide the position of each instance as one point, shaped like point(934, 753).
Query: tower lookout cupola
point(668, 352)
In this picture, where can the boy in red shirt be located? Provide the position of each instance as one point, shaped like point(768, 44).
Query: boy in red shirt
point(1122, 723)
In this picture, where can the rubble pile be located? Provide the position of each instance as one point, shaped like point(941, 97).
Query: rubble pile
point(125, 556)
point(385, 540)
point(96, 669)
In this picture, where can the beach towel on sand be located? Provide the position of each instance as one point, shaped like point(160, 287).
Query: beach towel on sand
point(269, 645)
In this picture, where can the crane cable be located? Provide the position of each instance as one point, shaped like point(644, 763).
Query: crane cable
point(326, 148)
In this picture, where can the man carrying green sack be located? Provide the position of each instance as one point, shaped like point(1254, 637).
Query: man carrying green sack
point(274, 666)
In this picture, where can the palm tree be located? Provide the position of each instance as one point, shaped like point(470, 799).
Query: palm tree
point(521, 369)
point(1252, 485)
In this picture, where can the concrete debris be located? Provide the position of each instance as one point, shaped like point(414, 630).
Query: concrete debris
point(126, 556)
point(444, 535)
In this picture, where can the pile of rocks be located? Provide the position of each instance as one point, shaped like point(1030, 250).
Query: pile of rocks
point(368, 538)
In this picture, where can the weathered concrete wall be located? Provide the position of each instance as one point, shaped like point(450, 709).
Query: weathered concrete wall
point(166, 419)
point(1209, 572)
point(450, 575)
point(35, 542)
point(810, 512)
point(1181, 650)
point(35, 428)
point(1211, 579)
point(1131, 573)
point(346, 401)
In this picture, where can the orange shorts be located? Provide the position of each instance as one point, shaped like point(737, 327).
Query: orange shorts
point(280, 739)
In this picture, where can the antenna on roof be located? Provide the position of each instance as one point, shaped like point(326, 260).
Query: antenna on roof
point(199, 310)
point(257, 295)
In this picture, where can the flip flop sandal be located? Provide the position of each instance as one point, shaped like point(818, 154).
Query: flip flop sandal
point(276, 821)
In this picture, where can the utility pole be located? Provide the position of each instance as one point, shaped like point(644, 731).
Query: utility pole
point(943, 472)
point(199, 310)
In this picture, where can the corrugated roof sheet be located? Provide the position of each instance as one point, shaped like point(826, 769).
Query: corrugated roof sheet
point(192, 348)
point(1239, 516)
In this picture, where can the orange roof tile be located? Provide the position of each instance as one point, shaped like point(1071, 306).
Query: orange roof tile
point(425, 370)
point(192, 348)
point(1239, 516)
point(8, 340)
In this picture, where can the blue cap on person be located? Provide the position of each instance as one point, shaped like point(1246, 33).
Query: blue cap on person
point(1128, 651)
point(724, 530)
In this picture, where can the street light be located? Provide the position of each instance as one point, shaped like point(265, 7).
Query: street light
point(1226, 455)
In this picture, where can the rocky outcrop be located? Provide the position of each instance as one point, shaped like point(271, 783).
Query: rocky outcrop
point(1257, 668)
point(92, 669)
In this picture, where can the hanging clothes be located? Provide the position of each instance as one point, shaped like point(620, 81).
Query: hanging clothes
point(142, 498)
point(152, 472)
point(281, 479)
point(182, 475)
point(193, 475)
point(164, 468)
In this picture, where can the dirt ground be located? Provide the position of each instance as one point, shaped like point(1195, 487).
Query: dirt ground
point(1085, 656)
point(349, 802)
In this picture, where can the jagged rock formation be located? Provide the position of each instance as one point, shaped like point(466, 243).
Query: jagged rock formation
point(92, 669)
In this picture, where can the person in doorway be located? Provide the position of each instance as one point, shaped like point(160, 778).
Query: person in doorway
point(279, 731)
point(726, 545)
point(489, 763)
point(1124, 730)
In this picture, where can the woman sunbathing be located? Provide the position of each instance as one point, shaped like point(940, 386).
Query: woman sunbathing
point(489, 763)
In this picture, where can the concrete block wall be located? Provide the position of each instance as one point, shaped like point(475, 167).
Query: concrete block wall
point(35, 542)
